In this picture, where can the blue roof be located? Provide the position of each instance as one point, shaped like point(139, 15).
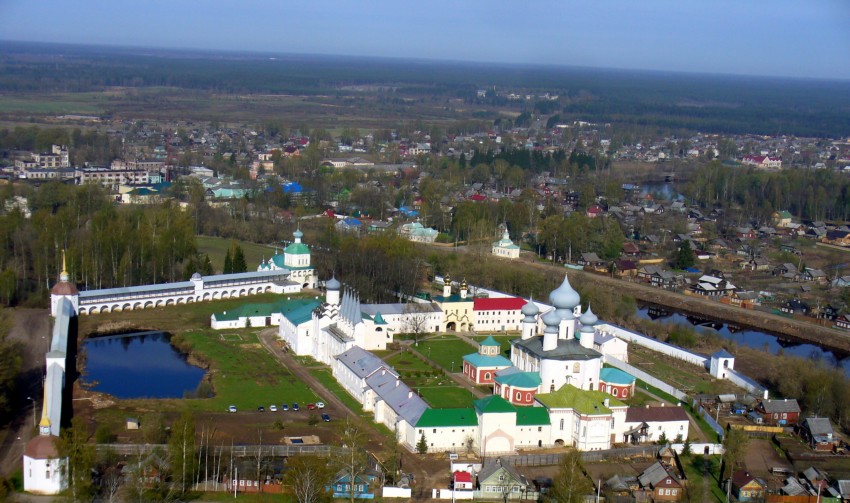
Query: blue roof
point(722, 354)
point(292, 187)
point(615, 376)
point(479, 360)
point(351, 221)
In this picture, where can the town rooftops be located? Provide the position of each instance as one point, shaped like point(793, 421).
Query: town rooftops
point(582, 401)
point(779, 406)
point(441, 418)
point(654, 474)
point(655, 414)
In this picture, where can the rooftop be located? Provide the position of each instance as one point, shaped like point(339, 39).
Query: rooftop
point(583, 401)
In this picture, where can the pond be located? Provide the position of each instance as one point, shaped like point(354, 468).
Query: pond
point(746, 336)
point(139, 365)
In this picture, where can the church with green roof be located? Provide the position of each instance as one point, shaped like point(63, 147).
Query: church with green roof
point(295, 259)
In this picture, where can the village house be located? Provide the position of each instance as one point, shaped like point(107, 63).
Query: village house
point(712, 286)
point(819, 434)
point(747, 487)
point(658, 277)
point(779, 412)
point(660, 481)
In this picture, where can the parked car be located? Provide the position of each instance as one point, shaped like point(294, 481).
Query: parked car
point(295, 406)
point(261, 409)
point(273, 408)
point(320, 405)
point(284, 407)
point(326, 418)
point(232, 408)
point(311, 406)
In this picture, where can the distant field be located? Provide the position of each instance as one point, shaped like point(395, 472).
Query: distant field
point(217, 248)
point(58, 104)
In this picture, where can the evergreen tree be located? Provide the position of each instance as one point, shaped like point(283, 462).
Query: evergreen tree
point(684, 256)
point(206, 268)
point(238, 263)
point(228, 263)
point(422, 445)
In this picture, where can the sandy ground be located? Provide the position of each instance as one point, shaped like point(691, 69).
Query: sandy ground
point(31, 328)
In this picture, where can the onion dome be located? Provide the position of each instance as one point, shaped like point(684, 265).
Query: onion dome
point(463, 285)
point(565, 296)
point(447, 279)
point(530, 308)
point(551, 320)
point(333, 284)
point(588, 318)
point(298, 234)
point(64, 288)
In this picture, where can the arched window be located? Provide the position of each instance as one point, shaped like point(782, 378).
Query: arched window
point(518, 395)
point(576, 368)
point(486, 376)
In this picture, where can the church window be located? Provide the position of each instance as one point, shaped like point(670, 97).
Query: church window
point(562, 424)
point(518, 395)
point(615, 391)
point(576, 368)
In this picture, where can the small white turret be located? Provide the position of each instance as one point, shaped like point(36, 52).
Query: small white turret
point(332, 295)
point(529, 323)
point(464, 288)
point(588, 320)
point(550, 335)
point(447, 286)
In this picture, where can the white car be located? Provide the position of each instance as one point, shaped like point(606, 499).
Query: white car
point(273, 408)
point(320, 405)
point(232, 408)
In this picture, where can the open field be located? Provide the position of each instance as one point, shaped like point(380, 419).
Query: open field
point(684, 376)
point(217, 248)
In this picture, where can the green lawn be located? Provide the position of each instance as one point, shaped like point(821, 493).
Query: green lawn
point(325, 377)
point(217, 248)
point(407, 363)
point(694, 466)
point(449, 397)
point(445, 350)
point(242, 372)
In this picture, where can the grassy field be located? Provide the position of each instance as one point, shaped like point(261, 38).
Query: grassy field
point(682, 375)
point(324, 376)
point(433, 385)
point(241, 372)
point(446, 350)
point(217, 248)
point(59, 104)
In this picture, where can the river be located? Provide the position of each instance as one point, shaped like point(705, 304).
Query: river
point(745, 336)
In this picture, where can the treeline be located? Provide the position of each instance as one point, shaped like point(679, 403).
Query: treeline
point(808, 194)
point(106, 246)
point(84, 146)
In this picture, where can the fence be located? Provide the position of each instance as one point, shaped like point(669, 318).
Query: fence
point(714, 425)
point(554, 459)
point(236, 450)
point(645, 377)
point(706, 449)
point(654, 344)
point(745, 382)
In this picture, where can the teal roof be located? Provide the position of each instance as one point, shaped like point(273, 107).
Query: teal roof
point(297, 249)
point(299, 311)
point(532, 416)
point(489, 341)
point(615, 376)
point(441, 418)
point(493, 403)
point(452, 298)
point(378, 319)
point(481, 361)
point(526, 380)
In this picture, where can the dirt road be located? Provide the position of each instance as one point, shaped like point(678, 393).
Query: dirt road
point(31, 329)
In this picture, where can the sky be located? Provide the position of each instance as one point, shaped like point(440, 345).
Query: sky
point(791, 38)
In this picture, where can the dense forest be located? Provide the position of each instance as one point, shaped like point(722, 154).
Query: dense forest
point(107, 246)
point(709, 103)
point(807, 194)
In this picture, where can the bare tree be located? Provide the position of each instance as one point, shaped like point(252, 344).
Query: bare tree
point(111, 483)
point(352, 460)
point(308, 477)
point(416, 319)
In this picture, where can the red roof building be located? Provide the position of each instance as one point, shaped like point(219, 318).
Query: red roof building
point(497, 314)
